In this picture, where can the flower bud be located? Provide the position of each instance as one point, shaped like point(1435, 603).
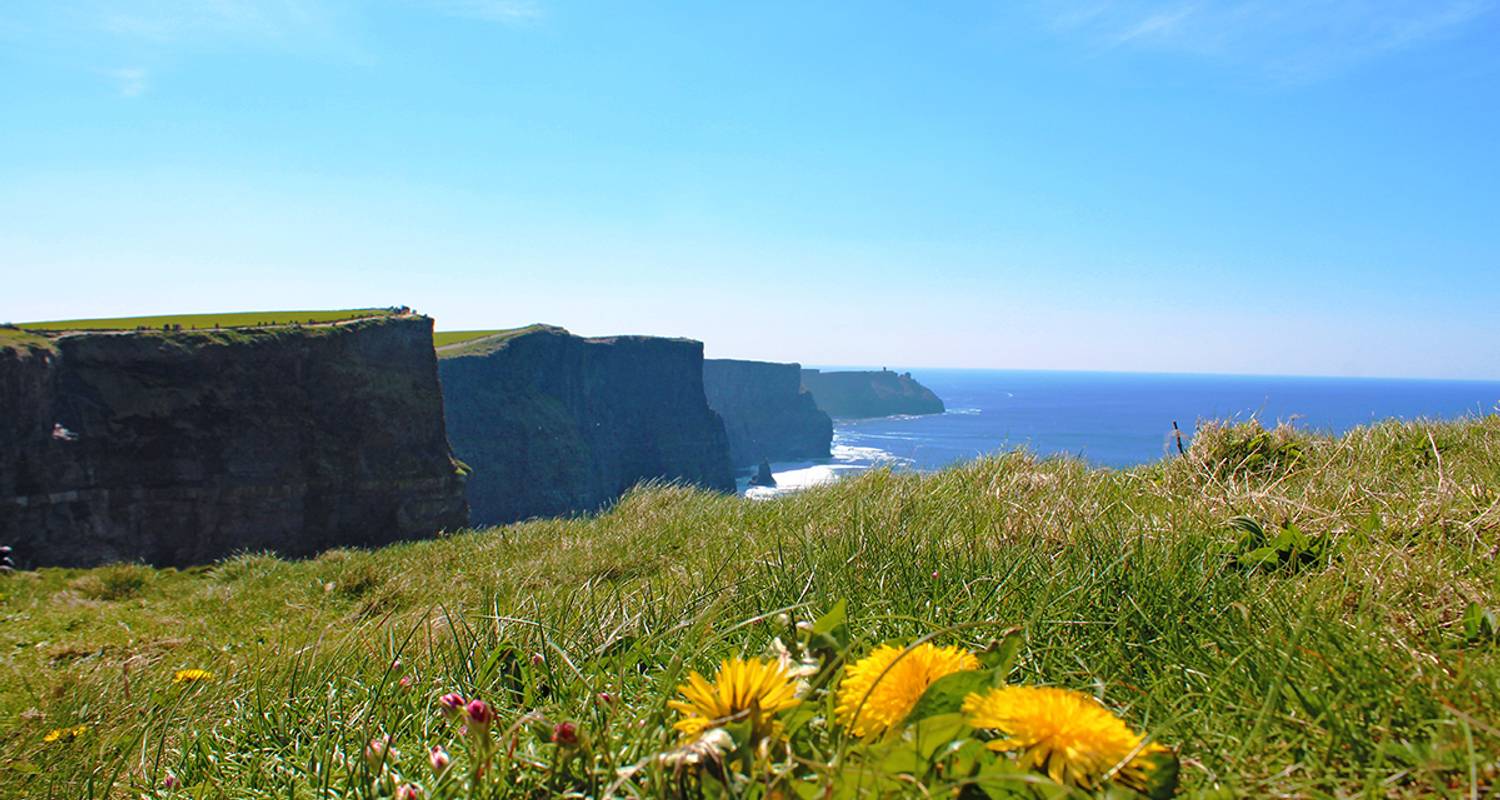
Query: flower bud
point(451, 703)
point(537, 659)
point(440, 760)
point(170, 782)
point(407, 791)
point(377, 752)
point(480, 717)
point(565, 734)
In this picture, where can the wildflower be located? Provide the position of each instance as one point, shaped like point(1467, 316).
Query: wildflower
point(1064, 733)
point(606, 698)
point(170, 782)
point(406, 682)
point(379, 751)
point(565, 734)
point(407, 791)
point(756, 689)
point(440, 760)
point(65, 734)
point(480, 717)
point(451, 703)
point(192, 676)
point(879, 690)
point(537, 659)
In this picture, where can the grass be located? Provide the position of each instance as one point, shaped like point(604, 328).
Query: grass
point(191, 321)
point(445, 338)
point(451, 343)
point(1175, 592)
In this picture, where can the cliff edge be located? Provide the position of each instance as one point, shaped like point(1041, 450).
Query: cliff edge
point(180, 447)
point(883, 393)
point(555, 424)
point(767, 415)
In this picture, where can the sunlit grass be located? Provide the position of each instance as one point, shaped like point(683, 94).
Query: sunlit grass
point(1351, 673)
point(205, 321)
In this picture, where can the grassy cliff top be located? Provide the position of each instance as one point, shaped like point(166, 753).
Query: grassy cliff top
point(17, 339)
point(238, 319)
point(468, 343)
point(1295, 615)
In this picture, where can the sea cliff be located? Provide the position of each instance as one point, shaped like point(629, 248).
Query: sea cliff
point(852, 395)
point(556, 424)
point(767, 415)
point(180, 447)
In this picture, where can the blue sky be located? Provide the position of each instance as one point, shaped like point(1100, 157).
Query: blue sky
point(1240, 186)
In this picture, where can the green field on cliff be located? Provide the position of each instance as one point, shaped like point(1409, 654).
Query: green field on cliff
point(450, 341)
point(1292, 615)
point(190, 321)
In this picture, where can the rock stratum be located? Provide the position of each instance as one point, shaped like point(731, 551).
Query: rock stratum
point(767, 415)
point(883, 393)
point(555, 424)
point(177, 448)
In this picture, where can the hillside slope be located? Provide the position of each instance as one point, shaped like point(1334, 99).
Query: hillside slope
point(1356, 663)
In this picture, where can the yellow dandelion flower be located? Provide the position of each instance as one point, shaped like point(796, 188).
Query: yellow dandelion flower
point(879, 690)
point(65, 734)
point(754, 689)
point(1064, 733)
point(192, 676)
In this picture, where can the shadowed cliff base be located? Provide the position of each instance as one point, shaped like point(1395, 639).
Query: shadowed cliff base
point(555, 424)
point(883, 393)
point(179, 447)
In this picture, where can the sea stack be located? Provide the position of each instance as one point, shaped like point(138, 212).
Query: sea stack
point(763, 476)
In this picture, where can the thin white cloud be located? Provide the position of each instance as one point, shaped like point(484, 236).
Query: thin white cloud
point(1298, 40)
point(131, 81)
point(502, 11)
point(1158, 25)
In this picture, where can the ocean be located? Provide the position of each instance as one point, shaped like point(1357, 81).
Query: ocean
point(1113, 419)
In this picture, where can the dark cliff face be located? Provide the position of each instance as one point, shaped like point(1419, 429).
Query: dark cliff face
point(766, 413)
point(556, 424)
point(853, 395)
point(178, 448)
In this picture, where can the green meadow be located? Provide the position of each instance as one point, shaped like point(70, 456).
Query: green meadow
point(190, 321)
point(1292, 615)
point(450, 341)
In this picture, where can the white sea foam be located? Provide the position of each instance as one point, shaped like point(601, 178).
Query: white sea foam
point(798, 475)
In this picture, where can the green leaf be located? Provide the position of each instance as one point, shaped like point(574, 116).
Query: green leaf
point(1000, 657)
point(1252, 533)
point(937, 732)
point(1260, 557)
point(831, 631)
point(1479, 623)
point(946, 694)
point(902, 761)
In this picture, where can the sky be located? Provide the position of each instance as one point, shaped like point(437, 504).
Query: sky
point(1245, 186)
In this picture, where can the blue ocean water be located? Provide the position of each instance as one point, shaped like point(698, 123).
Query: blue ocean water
point(1118, 419)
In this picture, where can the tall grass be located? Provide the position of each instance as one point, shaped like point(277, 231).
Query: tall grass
point(1347, 673)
